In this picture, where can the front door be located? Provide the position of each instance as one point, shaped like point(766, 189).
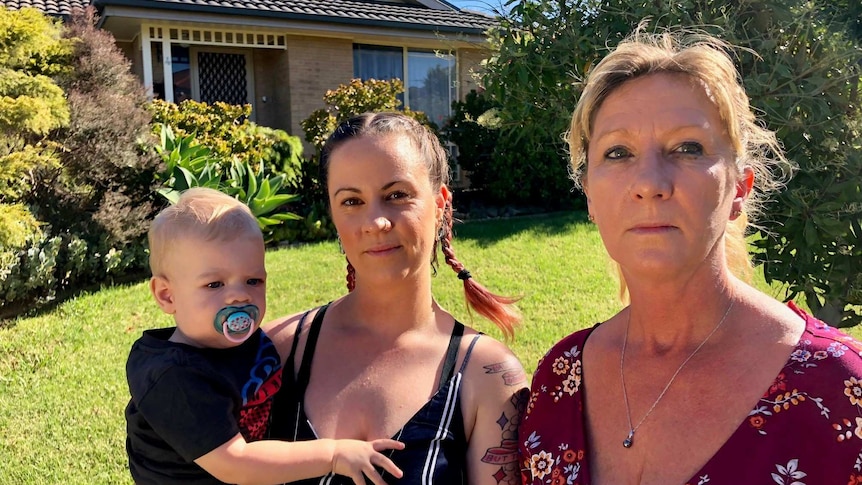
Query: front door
point(223, 76)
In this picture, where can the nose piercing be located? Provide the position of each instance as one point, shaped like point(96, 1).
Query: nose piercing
point(236, 323)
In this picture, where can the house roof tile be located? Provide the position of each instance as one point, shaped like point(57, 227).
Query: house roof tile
point(363, 12)
point(52, 7)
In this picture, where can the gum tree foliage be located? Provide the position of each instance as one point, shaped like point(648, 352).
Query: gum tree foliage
point(471, 128)
point(805, 81)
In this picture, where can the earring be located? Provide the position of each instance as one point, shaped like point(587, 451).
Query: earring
point(590, 217)
point(351, 276)
point(735, 213)
point(340, 246)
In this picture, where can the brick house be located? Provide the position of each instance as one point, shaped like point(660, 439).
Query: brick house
point(281, 56)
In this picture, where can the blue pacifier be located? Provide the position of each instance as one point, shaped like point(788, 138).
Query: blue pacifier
point(236, 323)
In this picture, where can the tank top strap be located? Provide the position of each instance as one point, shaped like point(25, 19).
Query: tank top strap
point(451, 354)
point(289, 366)
point(469, 351)
point(308, 355)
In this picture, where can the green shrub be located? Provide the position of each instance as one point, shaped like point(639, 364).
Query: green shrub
point(18, 228)
point(19, 163)
point(351, 99)
point(32, 53)
point(52, 266)
point(227, 132)
point(71, 155)
point(189, 164)
point(281, 153)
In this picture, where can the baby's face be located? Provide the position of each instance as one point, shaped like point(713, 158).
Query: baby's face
point(206, 276)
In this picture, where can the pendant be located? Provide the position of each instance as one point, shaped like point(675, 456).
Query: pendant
point(629, 441)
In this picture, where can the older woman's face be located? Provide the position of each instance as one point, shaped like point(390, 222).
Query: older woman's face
point(661, 180)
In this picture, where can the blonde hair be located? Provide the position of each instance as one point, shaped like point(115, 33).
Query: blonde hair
point(202, 213)
point(707, 60)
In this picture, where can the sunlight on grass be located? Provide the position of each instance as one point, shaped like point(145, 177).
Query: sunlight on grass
point(62, 373)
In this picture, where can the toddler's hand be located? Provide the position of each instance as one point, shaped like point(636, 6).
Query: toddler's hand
point(354, 458)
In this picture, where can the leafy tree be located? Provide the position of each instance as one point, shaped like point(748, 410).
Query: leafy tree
point(805, 81)
point(470, 129)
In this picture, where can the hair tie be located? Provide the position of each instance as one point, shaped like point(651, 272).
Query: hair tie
point(464, 275)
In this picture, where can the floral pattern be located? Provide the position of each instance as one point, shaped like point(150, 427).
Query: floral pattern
point(811, 415)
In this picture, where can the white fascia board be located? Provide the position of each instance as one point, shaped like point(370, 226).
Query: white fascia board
point(286, 26)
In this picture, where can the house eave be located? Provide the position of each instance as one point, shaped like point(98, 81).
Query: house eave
point(125, 21)
point(244, 13)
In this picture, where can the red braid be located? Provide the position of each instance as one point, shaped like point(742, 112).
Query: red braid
point(498, 309)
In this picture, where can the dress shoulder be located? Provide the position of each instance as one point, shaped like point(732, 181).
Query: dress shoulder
point(565, 345)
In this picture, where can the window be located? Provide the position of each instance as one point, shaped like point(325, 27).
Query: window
point(429, 81)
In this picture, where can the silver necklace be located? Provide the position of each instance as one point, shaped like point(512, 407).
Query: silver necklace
point(629, 441)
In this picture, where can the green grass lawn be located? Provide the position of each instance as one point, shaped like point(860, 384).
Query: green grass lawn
point(62, 381)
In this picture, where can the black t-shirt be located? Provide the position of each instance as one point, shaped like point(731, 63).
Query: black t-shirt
point(188, 401)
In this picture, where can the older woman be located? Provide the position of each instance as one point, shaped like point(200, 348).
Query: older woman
point(386, 360)
point(702, 378)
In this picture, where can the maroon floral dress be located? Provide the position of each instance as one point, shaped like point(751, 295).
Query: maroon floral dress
point(805, 430)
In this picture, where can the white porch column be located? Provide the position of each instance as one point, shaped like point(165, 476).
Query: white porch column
point(168, 70)
point(147, 55)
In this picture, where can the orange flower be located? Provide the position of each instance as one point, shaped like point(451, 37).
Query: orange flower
point(855, 480)
point(756, 421)
point(853, 390)
point(561, 366)
point(540, 464)
point(569, 456)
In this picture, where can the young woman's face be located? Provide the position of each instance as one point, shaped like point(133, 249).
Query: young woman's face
point(661, 180)
point(384, 207)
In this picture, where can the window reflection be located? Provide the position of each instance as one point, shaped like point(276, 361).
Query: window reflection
point(181, 64)
point(429, 81)
point(431, 84)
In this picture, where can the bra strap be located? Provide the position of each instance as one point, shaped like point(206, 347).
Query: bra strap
point(469, 351)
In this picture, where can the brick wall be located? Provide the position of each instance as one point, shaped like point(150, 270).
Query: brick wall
point(315, 65)
point(470, 64)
